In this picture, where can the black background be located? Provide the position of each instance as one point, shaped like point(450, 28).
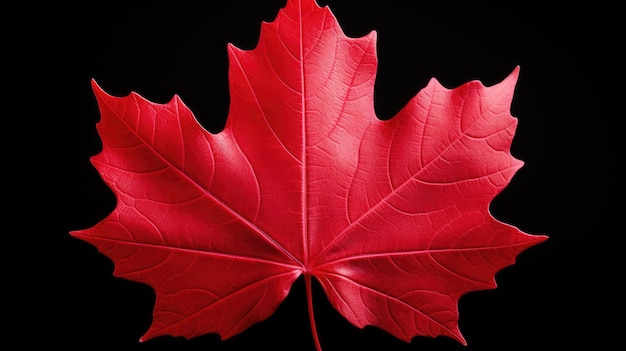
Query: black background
point(561, 294)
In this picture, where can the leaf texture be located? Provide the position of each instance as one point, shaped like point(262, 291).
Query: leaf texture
point(391, 217)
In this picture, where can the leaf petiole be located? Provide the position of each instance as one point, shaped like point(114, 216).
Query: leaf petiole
point(309, 297)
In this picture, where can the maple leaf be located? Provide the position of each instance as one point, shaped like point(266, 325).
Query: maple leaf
point(391, 217)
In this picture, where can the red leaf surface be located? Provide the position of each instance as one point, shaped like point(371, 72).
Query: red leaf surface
point(391, 217)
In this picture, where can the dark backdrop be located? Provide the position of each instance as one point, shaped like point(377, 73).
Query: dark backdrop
point(569, 102)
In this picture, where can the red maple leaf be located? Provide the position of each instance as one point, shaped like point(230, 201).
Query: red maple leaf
point(391, 217)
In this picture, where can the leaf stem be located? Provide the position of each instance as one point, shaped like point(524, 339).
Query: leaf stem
point(309, 298)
